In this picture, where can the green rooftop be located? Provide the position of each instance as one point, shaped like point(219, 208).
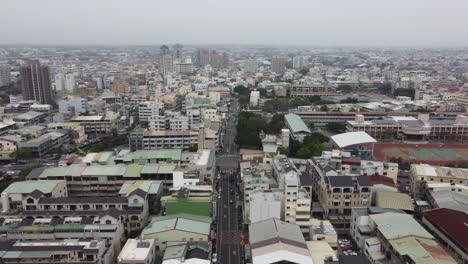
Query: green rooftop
point(182, 205)
point(28, 187)
point(296, 124)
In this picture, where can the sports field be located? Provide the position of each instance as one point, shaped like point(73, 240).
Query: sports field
point(435, 154)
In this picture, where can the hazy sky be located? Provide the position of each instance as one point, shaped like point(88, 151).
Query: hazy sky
point(271, 22)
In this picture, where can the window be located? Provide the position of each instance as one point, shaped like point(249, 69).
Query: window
point(30, 200)
point(108, 222)
point(135, 201)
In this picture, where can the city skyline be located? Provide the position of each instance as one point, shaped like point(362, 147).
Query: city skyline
point(304, 23)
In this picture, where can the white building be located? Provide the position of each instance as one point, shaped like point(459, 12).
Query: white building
point(264, 204)
point(79, 104)
point(59, 82)
point(254, 98)
point(149, 109)
point(70, 82)
point(137, 251)
point(185, 67)
point(298, 62)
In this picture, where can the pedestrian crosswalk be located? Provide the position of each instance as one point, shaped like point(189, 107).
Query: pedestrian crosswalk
point(230, 237)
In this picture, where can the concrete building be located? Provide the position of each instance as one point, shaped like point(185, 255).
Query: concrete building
point(166, 60)
point(120, 87)
point(94, 126)
point(449, 228)
point(70, 83)
point(360, 229)
point(71, 251)
point(45, 143)
point(79, 105)
point(254, 98)
point(422, 173)
point(298, 129)
point(297, 205)
point(447, 195)
point(264, 204)
point(138, 251)
point(178, 229)
point(421, 127)
point(275, 241)
point(35, 82)
point(277, 65)
point(5, 73)
point(14, 194)
point(59, 81)
point(149, 109)
point(184, 139)
point(298, 62)
point(309, 90)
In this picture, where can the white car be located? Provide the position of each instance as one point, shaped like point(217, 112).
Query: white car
point(214, 258)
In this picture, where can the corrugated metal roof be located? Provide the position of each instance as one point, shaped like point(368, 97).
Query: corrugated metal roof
point(394, 200)
point(30, 186)
point(296, 124)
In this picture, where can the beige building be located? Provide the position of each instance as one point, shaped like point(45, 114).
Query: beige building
point(13, 195)
point(138, 251)
point(422, 173)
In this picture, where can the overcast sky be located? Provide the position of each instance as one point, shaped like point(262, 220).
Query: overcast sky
point(270, 22)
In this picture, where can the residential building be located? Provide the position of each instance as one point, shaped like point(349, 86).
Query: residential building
point(43, 144)
point(360, 229)
point(275, 241)
point(94, 126)
point(138, 251)
point(120, 87)
point(35, 82)
point(14, 194)
point(399, 238)
point(70, 83)
point(422, 173)
point(149, 109)
point(79, 105)
point(321, 251)
point(71, 251)
point(30, 118)
point(263, 205)
point(447, 195)
point(297, 128)
point(449, 228)
point(166, 60)
point(184, 139)
point(254, 98)
point(297, 198)
point(5, 72)
point(277, 65)
point(298, 62)
point(178, 229)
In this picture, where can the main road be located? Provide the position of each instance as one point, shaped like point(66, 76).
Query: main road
point(228, 235)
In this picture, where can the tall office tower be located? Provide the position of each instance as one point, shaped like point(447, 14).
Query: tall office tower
point(35, 82)
point(215, 59)
point(177, 51)
point(277, 65)
point(298, 62)
point(5, 74)
point(166, 60)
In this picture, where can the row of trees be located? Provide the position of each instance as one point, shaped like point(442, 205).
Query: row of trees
point(250, 125)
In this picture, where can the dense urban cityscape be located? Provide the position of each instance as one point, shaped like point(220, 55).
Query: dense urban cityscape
point(196, 154)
